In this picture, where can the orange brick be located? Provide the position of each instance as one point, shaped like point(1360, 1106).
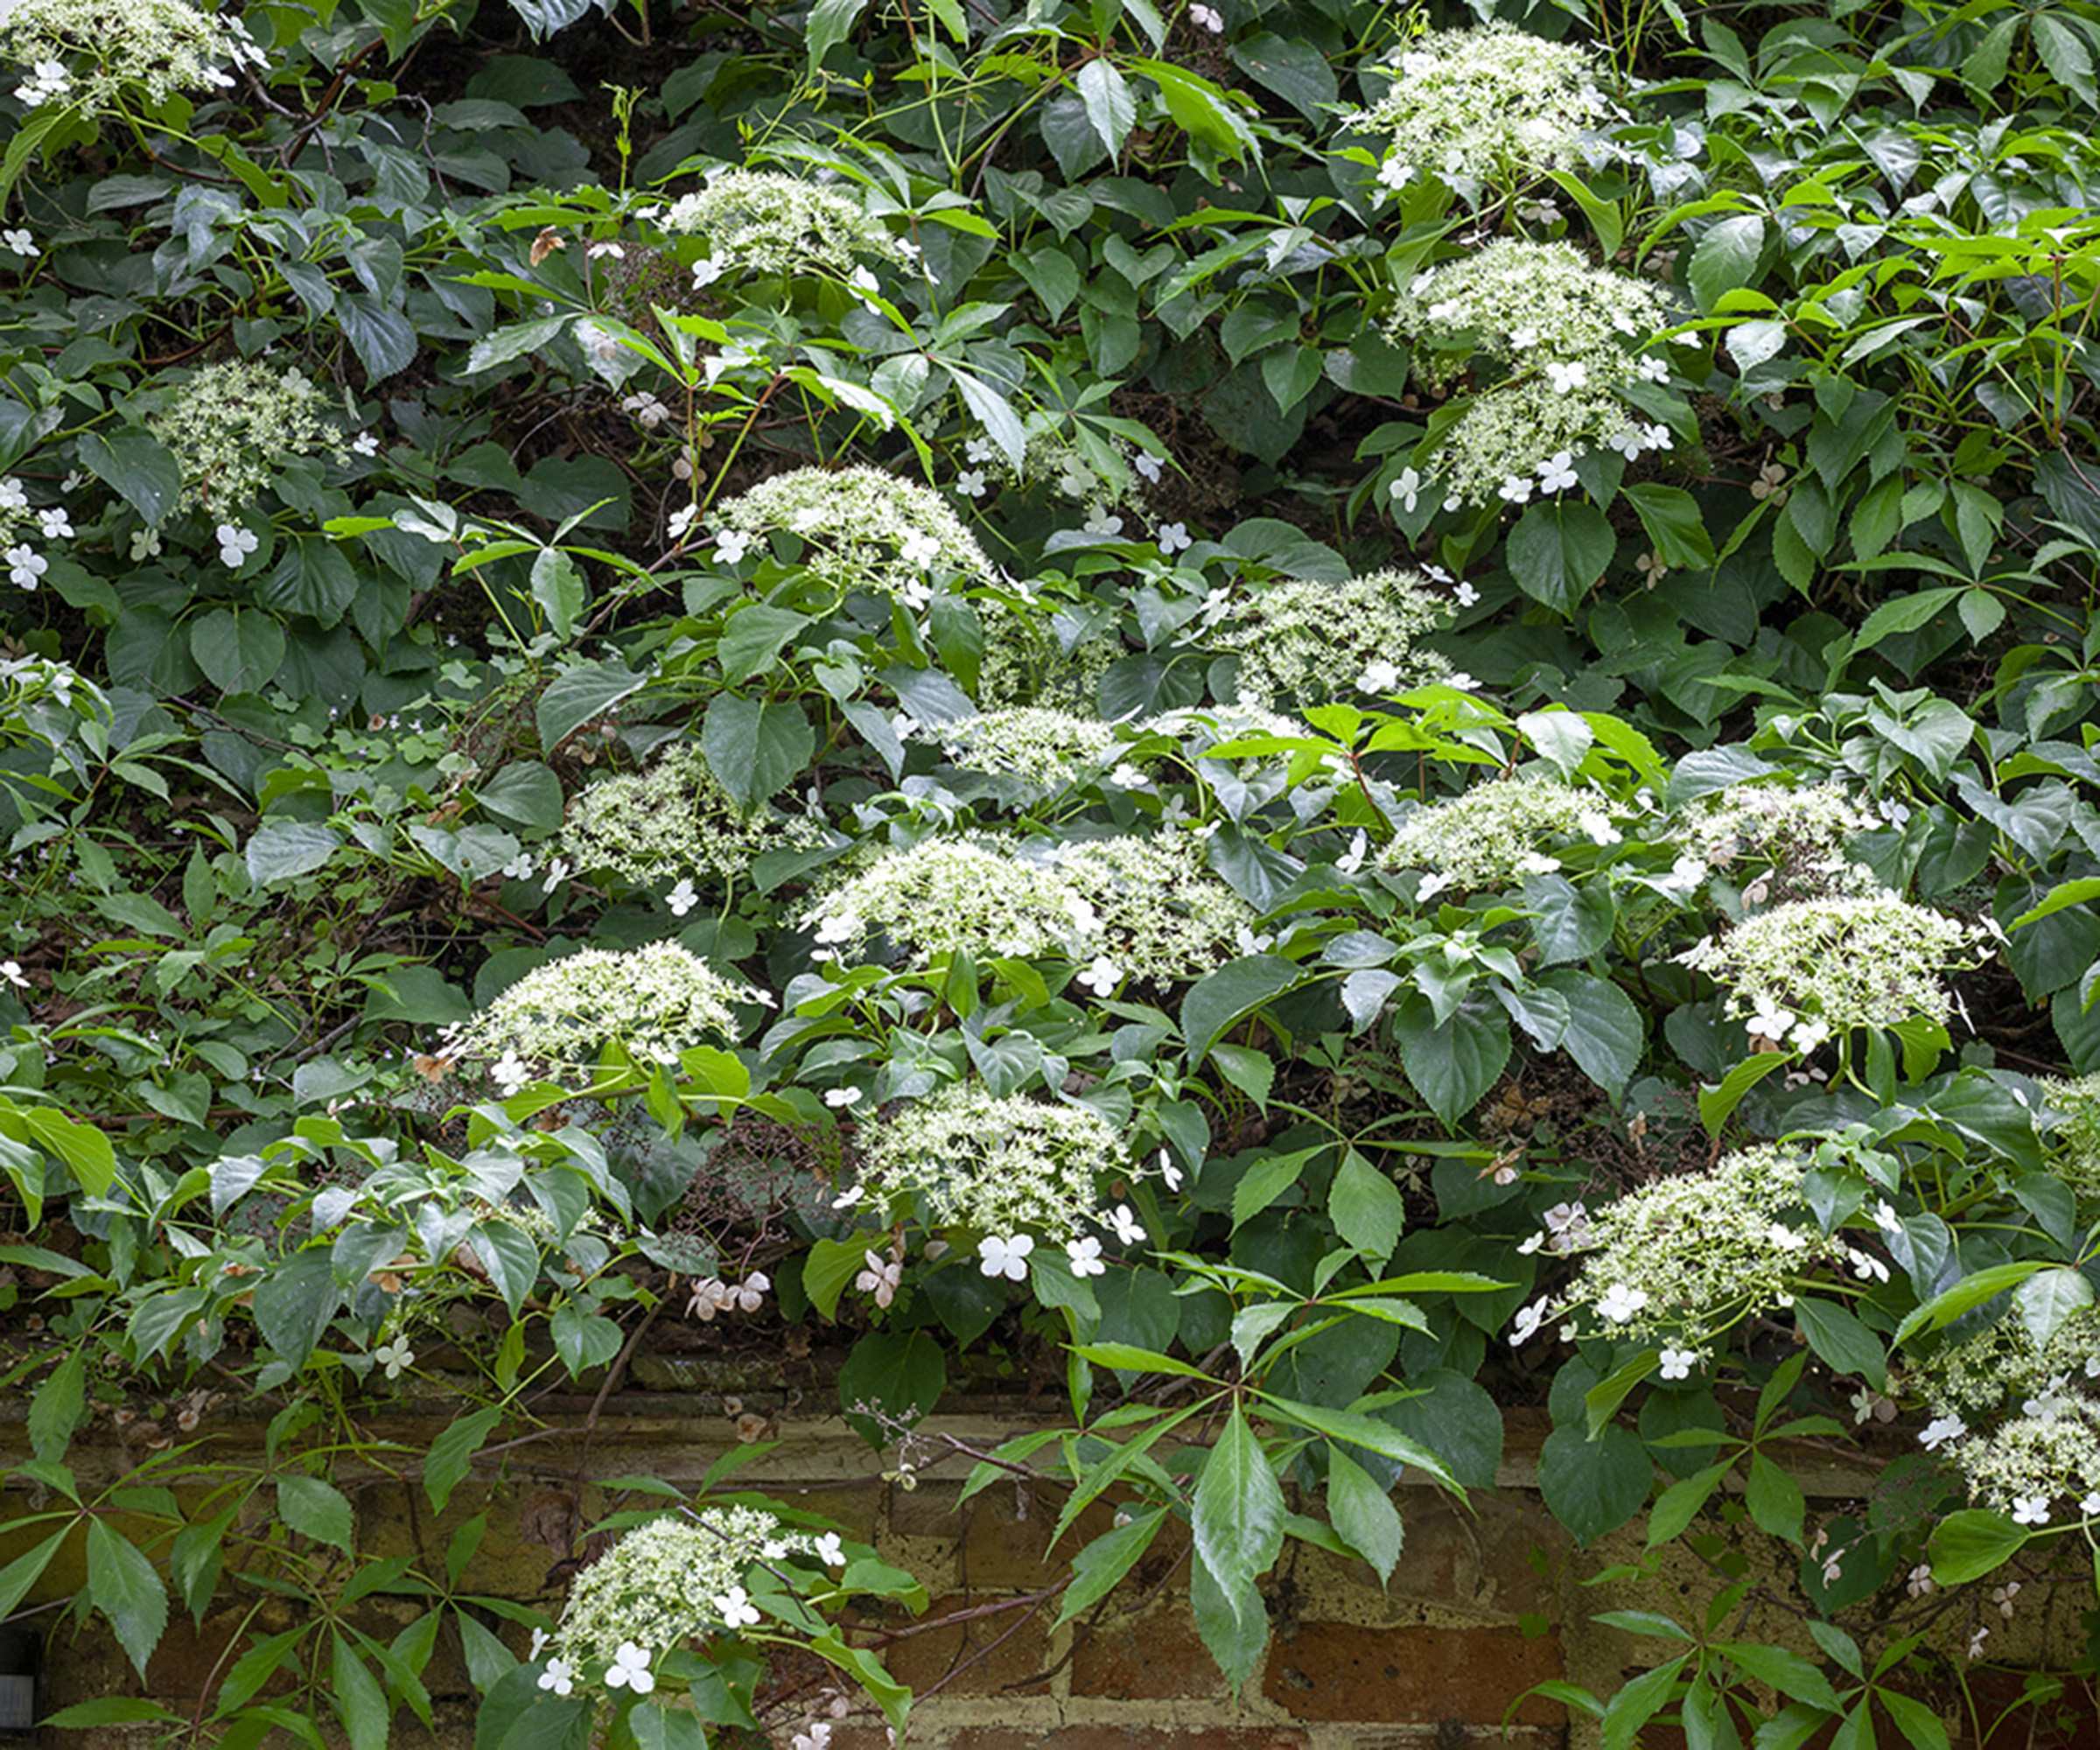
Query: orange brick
point(1154, 1653)
point(1420, 1675)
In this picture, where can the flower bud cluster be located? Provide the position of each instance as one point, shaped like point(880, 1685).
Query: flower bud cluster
point(946, 895)
point(862, 529)
point(1494, 105)
point(1493, 834)
point(1826, 965)
point(654, 1001)
point(1572, 336)
point(1314, 640)
point(90, 55)
point(1051, 747)
point(230, 424)
point(996, 1166)
point(676, 819)
point(1686, 1256)
point(763, 222)
point(667, 1582)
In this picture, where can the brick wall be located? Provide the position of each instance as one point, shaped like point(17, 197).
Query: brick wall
point(1488, 1599)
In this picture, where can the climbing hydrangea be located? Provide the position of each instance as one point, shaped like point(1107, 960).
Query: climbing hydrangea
point(1797, 833)
point(676, 819)
point(655, 1001)
point(1046, 747)
point(2037, 1468)
point(231, 423)
point(659, 1587)
point(1569, 335)
point(1494, 105)
point(1025, 662)
point(761, 222)
point(1863, 960)
point(90, 55)
point(993, 1165)
point(2075, 1107)
point(863, 529)
point(1165, 916)
point(1495, 833)
point(946, 895)
point(1318, 640)
point(1687, 1257)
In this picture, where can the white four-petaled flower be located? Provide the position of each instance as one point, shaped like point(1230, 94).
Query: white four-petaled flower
point(1622, 1301)
point(1174, 538)
point(1005, 1256)
point(393, 1357)
point(560, 1676)
point(630, 1670)
point(1085, 1255)
point(681, 898)
point(1102, 978)
point(1678, 1363)
point(738, 1611)
point(235, 543)
point(1129, 1230)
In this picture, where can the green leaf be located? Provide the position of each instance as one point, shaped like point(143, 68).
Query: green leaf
point(1265, 1181)
point(451, 1453)
point(1234, 1621)
point(1675, 529)
point(1096, 1569)
point(752, 639)
point(1637, 1703)
point(1453, 1063)
point(136, 465)
point(577, 695)
point(1679, 1504)
point(317, 1509)
point(755, 748)
point(1111, 110)
point(1718, 1101)
point(524, 791)
point(1774, 1499)
point(1365, 1208)
point(902, 1374)
point(1726, 258)
point(830, 22)
point(239, 651)
point(1363, 1514)
point(1970, 1291)
point(1842, 1342)
point(122, 1585)
point(1297, 72)
point(55, 1410)
point(832, 1264)
point(1968, 1545)
point(360, 1701)
point(514, 342)
point(1604, 1034)
point(2046, 1302)
point(1373, 1434)
point(1236, 990)
point(281, 850)
point(557, 590)
point(1558, 551)
point(1237, 1514)
point(1593, 1486)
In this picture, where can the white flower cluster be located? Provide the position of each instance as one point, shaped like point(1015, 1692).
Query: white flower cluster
point(1686, 1256)
point(1806, 968)
point(90, 55)
point(1798, 834)
point(1572, 337)
point(863, 529)
point(676, 819)
point(229, 422)
point(2003, 1364)
point(949, 894)
point(1496, 833)
point(655, 1001)
point(761, 222)
point(1009, 1169)
point(666, 1583)
point(1317, 641)
point(2031, 1464)
point(1046, 747)
point(1494, 105)
point(1201, 728)
point(1164, 917)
